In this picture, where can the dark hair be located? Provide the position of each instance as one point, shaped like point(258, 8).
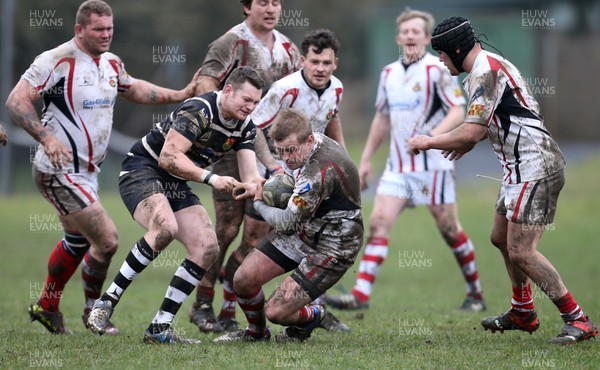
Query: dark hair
point(246, 4)
point(288, 122)
point(89, 7)
point(245, 74)
point(320, 39)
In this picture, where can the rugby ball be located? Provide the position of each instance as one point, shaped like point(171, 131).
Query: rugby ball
point(277, 190)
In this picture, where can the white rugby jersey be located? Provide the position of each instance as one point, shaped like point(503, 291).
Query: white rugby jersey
point(416, 99)
point(79, 94)
point(294, 92)
point(500, 99)
point(239, 47)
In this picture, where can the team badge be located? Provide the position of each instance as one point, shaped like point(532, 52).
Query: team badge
point(458, 92)
point(228, 144)
point(329, 115)
point(476, 110)
point(299, 202)
point(417, 87)
point(112, 83)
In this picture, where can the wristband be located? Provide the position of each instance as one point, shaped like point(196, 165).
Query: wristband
point(275, 169)
point(208, 177)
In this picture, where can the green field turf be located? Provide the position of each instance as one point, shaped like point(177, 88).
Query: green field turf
point(413, 321)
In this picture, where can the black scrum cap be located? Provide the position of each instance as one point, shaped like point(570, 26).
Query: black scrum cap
point(455, 37)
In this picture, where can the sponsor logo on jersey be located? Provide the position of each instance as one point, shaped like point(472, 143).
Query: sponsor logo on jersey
point(476, 110)
point(478, 93)
point(299, 202)
point(228, 144)
point(305, 189)
point(96, 103)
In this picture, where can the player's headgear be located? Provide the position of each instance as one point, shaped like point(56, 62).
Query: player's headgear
point(455, 37)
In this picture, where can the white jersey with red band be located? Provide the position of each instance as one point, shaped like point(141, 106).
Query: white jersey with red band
point(239, 47)
point(416, 98)
point(500, 99)
point(294, 92)
point(79, 94)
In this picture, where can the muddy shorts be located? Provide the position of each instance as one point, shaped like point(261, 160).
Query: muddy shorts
point(68, 193)
point(315, 270)
point(144, 179)
point(531, 202)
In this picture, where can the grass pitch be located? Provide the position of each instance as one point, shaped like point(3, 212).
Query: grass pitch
point(413, 321)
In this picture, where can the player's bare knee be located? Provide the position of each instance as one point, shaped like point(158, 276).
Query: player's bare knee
point(377, 227)
point(243, 283)
point(277, 314)
point(111, 246)
point(210, 254)
point(244, 249)
point(449, 232)
point(107, 246)
point(499, 241)
point(226, 233)
point(165, 232)
point(520, 258)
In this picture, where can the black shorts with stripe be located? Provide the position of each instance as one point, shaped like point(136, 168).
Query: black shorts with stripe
point(141, 177)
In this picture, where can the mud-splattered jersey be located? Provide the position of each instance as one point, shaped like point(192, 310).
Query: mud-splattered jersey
point(327, 194)
point(199, 120)
point(79, 94)
point(500, 99)
point(239, 47)
point(416, 98)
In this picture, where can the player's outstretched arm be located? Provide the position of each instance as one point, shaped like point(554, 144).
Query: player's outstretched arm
point(454, 143)
point(248, 174)
point(173, 159)
point(247, 166)
point(264, 154)
point(144, 92)
point(20, 105)
point(206, 84)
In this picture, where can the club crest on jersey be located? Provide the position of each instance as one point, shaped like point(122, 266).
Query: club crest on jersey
point(112, 83)
point(417, 87)
point(228, 144)
point(476, 110)
point(299, 202)
point(458, 92)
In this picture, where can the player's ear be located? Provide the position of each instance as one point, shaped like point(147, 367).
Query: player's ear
point(78, 29)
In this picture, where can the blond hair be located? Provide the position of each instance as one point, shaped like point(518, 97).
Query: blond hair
point(409, 13)
point(291, 121)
